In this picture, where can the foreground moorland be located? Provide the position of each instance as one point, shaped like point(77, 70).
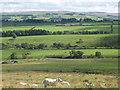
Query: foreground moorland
point(76, 80)
point(102, 73)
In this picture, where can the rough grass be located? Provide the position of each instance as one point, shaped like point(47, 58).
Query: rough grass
point(12, 79)
point(102, 66)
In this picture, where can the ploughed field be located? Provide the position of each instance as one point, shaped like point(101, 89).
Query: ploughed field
point(102, 73)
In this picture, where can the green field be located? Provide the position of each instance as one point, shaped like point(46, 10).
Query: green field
point(95, 65)
point(99, 39)
point(64, 28)
point(64, 53)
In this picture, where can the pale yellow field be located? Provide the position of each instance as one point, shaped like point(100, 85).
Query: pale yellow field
point(76, 80)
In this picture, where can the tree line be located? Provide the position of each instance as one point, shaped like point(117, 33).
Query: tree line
point(45, 32)
point(53, 46)
point(79, 54)
point(57, 20)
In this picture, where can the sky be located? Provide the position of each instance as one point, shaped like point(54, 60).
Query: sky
point(110, 6)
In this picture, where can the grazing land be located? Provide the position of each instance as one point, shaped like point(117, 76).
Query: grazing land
point(38, 54)
point(65, 65)
point(99, 40)
point(64, 28)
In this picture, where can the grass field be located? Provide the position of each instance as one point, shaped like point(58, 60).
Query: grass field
point(64, 53)
point(64, 28)
point(99, 40)
point(50, 39)
point(93, 65)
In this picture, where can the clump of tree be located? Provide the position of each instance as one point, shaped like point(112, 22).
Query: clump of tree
point(76, 54)
point(80, 41)
point(14, 35)
point(41, 46)
point(111, 26)
point(98, 54)
point(80, 21)
point(57, 45)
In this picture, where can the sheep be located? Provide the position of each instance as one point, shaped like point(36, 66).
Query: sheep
point(89, 84)
point(65, 83)
point(36, 85)
point(24, 84)
point(51, 82)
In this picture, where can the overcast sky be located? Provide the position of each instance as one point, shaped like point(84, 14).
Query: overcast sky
point(59, 5)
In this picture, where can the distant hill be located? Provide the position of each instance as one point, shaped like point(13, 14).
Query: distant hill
point(59, 12)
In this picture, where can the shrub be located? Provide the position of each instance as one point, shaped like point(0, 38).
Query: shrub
point(98, 54)
point(13, 56)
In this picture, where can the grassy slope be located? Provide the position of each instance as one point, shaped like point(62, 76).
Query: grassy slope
point(50, 39)
point(64, 53)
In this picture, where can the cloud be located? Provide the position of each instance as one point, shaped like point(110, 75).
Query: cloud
point(71, 5)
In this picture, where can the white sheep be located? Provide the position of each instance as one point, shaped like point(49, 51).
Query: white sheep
point(51, 82)
point(65, 83)
point(24, 84)
point(36, 85)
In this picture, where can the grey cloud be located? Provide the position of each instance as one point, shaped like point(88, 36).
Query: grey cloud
point(69, 5)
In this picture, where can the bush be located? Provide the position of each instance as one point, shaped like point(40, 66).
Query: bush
point(91, 56)
point(76, 54)
point(98, 54)
point(13, 56)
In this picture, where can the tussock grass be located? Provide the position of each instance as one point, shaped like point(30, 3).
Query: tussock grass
point(12, 79)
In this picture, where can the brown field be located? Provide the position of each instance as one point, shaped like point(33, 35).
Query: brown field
point(76, 80)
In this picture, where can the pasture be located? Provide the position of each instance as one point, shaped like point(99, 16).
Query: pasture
point(74, 71)
point(64, 28)
point(99, 40)
point(107, 53)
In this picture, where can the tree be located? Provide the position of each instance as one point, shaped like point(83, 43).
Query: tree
point(67, 46)
point(76, 54)
point(80, 41)
point(98, 54)
point(14, 35)
point(13, 56)
point(111, 26)
point(80, 21)
point(42, 46)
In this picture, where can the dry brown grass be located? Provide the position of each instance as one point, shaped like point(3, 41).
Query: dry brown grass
point(76, 80)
